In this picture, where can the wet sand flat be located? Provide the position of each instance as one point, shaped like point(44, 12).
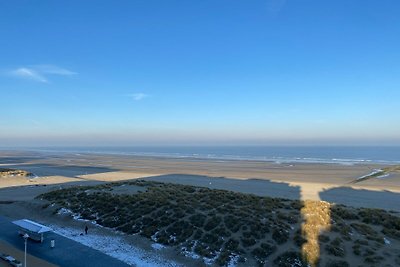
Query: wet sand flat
point(308, 180)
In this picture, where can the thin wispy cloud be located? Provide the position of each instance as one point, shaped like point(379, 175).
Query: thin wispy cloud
point(52, 69)
point(27, 73)
point(138, 96)
point(40, 73)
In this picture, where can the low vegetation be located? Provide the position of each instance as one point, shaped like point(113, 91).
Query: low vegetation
point(13, 172)
point(222, 226)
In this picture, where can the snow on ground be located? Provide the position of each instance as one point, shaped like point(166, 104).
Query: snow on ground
point(374, 172)
point(115, 247)
point(383, 176)
point(124, 251)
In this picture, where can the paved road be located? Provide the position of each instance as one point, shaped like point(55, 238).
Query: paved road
point(66, 253)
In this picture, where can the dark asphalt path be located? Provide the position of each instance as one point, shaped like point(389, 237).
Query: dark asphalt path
point(66, 253)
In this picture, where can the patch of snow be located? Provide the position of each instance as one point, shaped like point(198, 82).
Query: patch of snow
point(188, 252)
point(233, 260)
point(210, 261)
point(154, 237)
point(76, 216)
point(115, 247)
point(63, 211)
point(375, 171)
point(172, 237)
point(383, 176)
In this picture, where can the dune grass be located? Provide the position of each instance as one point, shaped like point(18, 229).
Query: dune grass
point(223, 226)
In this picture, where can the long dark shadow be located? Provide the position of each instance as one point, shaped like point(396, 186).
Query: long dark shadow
point(361, 197)
point(361, 236)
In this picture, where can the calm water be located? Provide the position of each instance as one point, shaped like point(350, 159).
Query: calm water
point(341, 155)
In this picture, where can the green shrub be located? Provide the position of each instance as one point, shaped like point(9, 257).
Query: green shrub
point(369, 233)
point(232, 244)
point(357, 249)
point(162, 237)
point(280, 235)
point(209, 238)
point(197, 219)
point(202, 250)
point(248, 242)
point(220, 231)
point(345, 232)
point(263, 251)
point(373, 259)
point(337, 263)
point(368, 252)
point(223, 258)
point(323, 238)
point(391, 232)
point(212, 223)
point(198, 234)
point(299, 239)
point(232, 223)
point(289, 259)
point(341, 212)
point(335, 248)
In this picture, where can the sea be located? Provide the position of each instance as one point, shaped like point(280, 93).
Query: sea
point(348, 155)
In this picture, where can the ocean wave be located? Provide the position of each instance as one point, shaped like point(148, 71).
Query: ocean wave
point(241, 155)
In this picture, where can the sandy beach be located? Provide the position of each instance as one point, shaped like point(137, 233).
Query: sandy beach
point(330, 182)
point(334, 183)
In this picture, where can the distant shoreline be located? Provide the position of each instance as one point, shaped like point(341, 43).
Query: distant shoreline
point(286, 155)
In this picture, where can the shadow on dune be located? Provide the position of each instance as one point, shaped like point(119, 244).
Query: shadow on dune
point(361, 197)
point(302, 240)
point(363, 223)
point(314, 218)
point(259, 187)
point(29, 192)
point(297, 245)
point(251, 186)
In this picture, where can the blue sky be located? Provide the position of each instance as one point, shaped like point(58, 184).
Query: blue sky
point(199, 72)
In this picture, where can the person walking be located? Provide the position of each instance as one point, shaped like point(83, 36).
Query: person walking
point(86, 229)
